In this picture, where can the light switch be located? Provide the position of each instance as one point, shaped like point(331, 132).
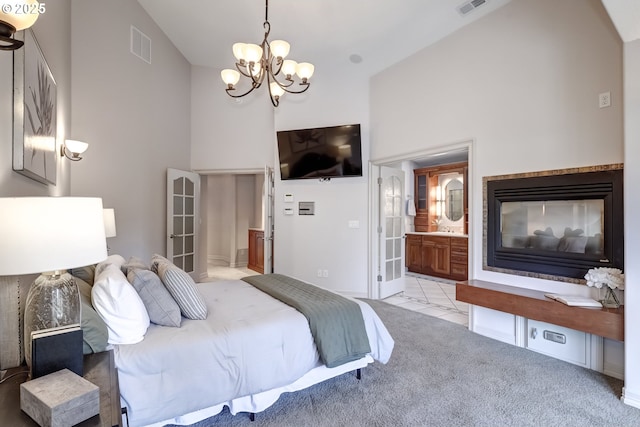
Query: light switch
point(354, 223)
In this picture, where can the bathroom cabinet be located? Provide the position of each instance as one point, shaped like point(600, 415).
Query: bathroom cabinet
point(437, 254)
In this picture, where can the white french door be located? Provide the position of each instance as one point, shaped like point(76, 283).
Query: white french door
point(183, 207)
point(390, 231)
point(268, 202)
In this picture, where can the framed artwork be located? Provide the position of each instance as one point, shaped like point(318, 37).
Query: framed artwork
point(34, 117)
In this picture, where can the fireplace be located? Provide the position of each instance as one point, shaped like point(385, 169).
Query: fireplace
point(554, 224)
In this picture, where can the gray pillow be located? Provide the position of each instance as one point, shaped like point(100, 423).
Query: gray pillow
point(94, 331)
point(183, 290)
point(133, 262)
point(162, 308)
point(85, 273)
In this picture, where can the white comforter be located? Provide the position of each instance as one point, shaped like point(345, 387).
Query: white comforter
point(249, 343)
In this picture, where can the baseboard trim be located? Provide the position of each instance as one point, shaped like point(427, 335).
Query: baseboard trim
point(629, 398)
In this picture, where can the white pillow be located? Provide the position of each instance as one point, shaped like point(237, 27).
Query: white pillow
point(117, 260)
point(119, 305)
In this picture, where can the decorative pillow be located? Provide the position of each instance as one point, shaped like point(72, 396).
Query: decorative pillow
point(115, 259)
point(119, 305)
point(162, 308)
point(85, 273)
point(132, 263)
point(156, 260)
point(95, 335)
point(183, 290)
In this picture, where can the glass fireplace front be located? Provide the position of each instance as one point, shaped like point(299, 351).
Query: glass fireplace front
point(555, 226)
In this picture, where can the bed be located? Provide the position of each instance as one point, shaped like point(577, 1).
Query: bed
point(249, 350)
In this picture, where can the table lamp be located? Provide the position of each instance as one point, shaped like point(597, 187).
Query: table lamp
point(49, 235)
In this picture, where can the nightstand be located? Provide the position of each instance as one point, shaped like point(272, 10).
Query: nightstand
point(99, 368)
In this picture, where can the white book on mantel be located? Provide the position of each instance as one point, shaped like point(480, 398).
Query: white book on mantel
point(574, 300)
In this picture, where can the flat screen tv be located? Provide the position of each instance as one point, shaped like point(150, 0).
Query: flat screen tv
point(326, 152)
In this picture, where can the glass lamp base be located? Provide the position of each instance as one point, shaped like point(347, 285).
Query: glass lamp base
point(53, 301)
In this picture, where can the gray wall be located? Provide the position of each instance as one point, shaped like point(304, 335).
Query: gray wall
point(135, 115)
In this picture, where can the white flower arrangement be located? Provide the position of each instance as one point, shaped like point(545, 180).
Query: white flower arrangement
point(600, 277)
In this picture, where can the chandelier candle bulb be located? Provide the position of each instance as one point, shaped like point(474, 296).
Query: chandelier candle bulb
point(305, 71)
point(289, 68)
point(279, 49)
point(230, 77)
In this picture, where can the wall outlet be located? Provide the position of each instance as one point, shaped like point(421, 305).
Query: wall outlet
point(319, 273)
point(604, 100)
point(325, 273)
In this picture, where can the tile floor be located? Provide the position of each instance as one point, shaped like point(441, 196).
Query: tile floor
point(433, 296)
point(429, 295)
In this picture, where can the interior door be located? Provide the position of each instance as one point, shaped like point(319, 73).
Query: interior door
point(268, 200)
point(183, 207)
point(391, 246)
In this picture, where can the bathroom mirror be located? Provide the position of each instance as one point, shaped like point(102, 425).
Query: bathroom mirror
point(453, 194)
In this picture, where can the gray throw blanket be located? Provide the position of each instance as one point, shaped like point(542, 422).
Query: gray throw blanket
point(336, 323)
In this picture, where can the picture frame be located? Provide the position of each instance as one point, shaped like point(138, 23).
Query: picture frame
point(34, 113)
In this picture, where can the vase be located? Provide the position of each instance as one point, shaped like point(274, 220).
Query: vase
point(609, 298)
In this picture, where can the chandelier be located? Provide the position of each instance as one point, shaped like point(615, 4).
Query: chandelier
point(257, 62)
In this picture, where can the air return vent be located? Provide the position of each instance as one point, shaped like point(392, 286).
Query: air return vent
point(140, 45)
point(470, 6)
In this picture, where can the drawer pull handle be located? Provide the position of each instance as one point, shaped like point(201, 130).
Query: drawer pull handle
point(534, 333)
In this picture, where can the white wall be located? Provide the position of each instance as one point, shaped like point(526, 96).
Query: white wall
point(53, 32)
point(135, 116)
point(227, 134)
point(304, 244)
point(524, 83)
point(632, 231)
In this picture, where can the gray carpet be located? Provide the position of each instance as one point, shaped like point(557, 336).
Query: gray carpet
point(440, 374)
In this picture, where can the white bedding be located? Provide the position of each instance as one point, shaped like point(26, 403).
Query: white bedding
point(250, 344)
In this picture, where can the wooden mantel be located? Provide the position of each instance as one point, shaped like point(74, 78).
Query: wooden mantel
point(532, 304)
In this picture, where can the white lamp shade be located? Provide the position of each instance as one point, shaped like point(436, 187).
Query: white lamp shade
point(109, 216)
point(289, 67)
point(41, 234)
point(76, 147)
point(22, 20)
point(276, 90)
point(279, 48)
point(305, 70)
point(238, 51)
point(230, 77)
point(252, 52)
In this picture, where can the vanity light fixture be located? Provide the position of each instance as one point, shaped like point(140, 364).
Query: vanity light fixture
point(72, 149)
point(17, 15)
point(266, 60)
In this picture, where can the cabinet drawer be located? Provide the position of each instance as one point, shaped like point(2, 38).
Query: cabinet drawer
point(459, 243)
point(438, 240)
point(459, 271)
point(413, 238)
point(458, 258)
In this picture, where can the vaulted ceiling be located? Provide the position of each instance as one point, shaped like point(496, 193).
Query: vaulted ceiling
point(327, 33)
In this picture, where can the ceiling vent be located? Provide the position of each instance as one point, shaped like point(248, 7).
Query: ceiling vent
point(140, 45)
point(470, 6)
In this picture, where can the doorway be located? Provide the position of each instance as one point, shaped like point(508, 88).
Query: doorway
point(453, 153)
point(233, 203)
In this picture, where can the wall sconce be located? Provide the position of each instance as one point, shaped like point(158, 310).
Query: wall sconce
point(72, 149)
point(15, 16)
point(439, 201)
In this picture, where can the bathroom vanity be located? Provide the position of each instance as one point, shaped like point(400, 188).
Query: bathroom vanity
point(439, 254)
